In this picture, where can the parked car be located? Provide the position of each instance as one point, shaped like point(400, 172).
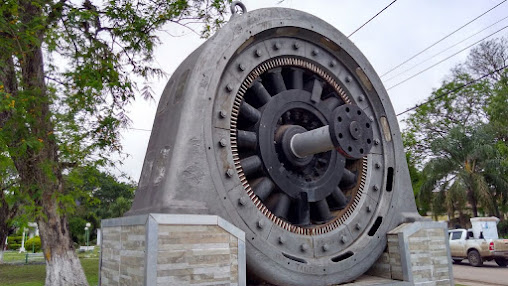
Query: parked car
point(464, 245)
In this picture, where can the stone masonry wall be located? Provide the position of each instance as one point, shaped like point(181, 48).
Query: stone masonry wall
point(123, 252)
point(196, 255)
point(159, 249)
point(429, 257)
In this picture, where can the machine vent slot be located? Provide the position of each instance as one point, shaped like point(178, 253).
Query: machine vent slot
point(376, 225)
point(389, 179)
point(294, 258)
point(343, 256)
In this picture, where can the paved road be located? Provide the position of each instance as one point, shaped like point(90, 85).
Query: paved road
point(487, 275)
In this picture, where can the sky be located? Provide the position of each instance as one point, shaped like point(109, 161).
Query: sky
point(401, 31)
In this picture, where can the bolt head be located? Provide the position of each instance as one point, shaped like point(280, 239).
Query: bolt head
point(276, 46)
point(369, 209)
point(376, 141)
point(348, 79)
point(282, 239)
point(377, 165)
point(333, 63)
point(229, 88)
point(343, 239)
point(258, 53)
point(358, 226)
point(223, 142)
point(360, 98)
point(241, 67)
point(230, 173)
point(326, 247)
point(315, 52)
point(222, 114)
point(260, 224)
point(242, 201)
point(304, 247)
point(375, 188)
point(296, 46)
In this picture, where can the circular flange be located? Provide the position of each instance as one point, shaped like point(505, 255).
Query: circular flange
point(351, 131)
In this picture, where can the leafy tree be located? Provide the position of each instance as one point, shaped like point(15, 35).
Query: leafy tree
point(65, 80)
point(9, 204)
point(99, 195)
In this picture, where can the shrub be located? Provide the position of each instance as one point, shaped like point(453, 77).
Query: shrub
point(14, 239)
point(36, 242)
point(13, 246)
point(502, 228)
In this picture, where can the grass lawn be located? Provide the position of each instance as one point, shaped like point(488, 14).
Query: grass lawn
point(34, 274)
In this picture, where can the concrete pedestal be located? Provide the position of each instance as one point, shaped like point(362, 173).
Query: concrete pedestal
point(161, 249)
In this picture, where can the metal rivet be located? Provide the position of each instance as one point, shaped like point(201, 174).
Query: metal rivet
point(223, 142)
point(348, 79)
point(242, 200)
point(333, 63)
point(296, 46)
point(258, 53)
point(375, 188)
point(360, 98)
point(358, 226)
point(376, 141)
point(276, 46)
point(315, 52)
point(229, 88)
point(377, 165)
point(371, 119)
point(260, 224)
point(304, 247)
point(343, 239)
point(230, 173)
point(222, 114)
point(326, 247)
point(282, 239)
point(369, 209)
point(241, 67)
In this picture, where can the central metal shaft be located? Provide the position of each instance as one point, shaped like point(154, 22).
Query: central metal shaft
point(311, 142)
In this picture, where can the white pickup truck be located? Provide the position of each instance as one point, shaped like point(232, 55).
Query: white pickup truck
point(463, 244)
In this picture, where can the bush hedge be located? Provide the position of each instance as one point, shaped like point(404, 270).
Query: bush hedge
point(36, 242)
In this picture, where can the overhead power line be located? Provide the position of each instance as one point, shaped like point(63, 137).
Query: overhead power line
point(359, 28)
point(442, 51)
point(453, 90)
point(442, 39)
point(432, 66)
point(139, 129)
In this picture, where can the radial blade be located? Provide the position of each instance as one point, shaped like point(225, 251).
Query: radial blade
point(332, 102)
point(317, 90)
point(247, 139)
point(302, 210)
point(263, 188)
point(348, 180)
point(282, 207)
point(295, 78)
point(251, 165)
point(321, 211)
point(337, 200)
point(259, 90)
point(250, 113)
point(276, 81)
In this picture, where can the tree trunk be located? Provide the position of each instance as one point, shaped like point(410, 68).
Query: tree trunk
point(62, 264)
point(39, 167)
point(472, 200)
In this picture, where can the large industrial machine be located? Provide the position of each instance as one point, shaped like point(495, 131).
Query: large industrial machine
point(281, 126)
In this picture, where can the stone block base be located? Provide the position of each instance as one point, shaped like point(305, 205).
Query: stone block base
point(162, 249)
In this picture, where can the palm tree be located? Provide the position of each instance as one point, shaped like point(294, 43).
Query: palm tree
point(468, 161)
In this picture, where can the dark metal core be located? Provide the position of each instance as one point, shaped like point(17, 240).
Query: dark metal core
point(337, 200)
point(260, 92)
point(247, 139)
point(251, 165)
point(263, 187)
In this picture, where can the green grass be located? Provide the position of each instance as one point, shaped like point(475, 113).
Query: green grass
point(34, 274)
